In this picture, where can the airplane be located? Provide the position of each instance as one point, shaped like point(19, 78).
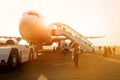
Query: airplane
point(38, 32)
point(35, 29)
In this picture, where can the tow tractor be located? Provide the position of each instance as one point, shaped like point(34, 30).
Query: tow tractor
point(14, 52)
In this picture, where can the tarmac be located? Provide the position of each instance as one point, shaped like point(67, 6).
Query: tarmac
point(56, 66)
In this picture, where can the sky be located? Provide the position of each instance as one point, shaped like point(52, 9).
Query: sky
point(88, 17)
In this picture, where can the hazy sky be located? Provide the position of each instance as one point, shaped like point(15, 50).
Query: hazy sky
point(89, 17)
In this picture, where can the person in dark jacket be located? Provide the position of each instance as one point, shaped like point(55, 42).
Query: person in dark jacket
point(76, 54)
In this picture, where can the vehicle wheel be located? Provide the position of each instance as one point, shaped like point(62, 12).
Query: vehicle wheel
point(31, 55)
point(13, 60)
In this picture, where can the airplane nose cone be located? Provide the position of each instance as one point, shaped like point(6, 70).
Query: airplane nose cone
point(34, 27)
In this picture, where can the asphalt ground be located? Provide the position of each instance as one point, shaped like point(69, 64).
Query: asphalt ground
point(56, 66)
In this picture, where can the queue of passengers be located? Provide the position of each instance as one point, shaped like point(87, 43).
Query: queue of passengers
point(109, 51)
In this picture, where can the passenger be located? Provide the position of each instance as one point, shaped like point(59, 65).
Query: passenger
point(72, 49)
point(105, 52)
point(93, 50)
point(63, 28)
point(114, 50)
point(109, 50)
point(99, 48)
point(76, 54)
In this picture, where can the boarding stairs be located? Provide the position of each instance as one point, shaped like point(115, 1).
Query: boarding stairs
point(67, 31)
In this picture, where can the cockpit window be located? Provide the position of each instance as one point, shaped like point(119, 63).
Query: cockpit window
point(33, 13)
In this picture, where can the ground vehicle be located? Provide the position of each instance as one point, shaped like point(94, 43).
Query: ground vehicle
point(12, 54)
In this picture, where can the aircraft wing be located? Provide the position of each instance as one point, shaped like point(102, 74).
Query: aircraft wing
point(94, 37)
